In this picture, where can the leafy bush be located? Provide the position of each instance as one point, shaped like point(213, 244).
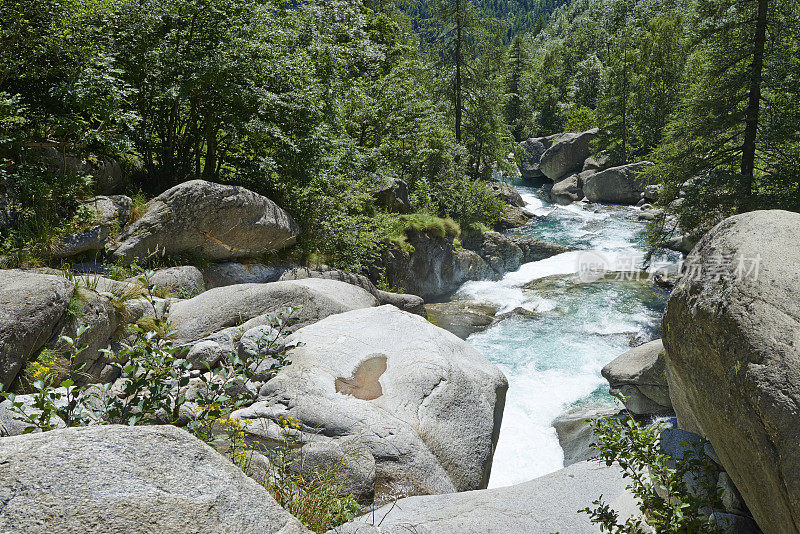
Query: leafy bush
point(636, 450)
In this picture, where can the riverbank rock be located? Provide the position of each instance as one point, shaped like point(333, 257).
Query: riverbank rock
point(575, 435)
point(570, 189)
point(392, 195)
point(638, 378)
point(513, 217)
point(542, 506)
point(507, 193)
point(249, 305)
point(732, 339)
point(617, 185)
point(184, 281)
point(433, 267)
point(230, 273)
point(567, 154)
point(31, 306)
point(534, 148)
point(425, 404)
point(213, 221)
point(461, 317)
point(129, 479)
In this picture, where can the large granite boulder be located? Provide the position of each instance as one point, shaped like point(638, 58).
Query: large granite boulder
point(185, 281)
point(212, 221)
point(425, 404)
point(432, 267)
point(96, 312)
point(249, 305)
point(567, 154)
point(534, 148)
point(136, 480)
point(732, 337)
point(639, 379)
point(230, 273)
point(31, 306)
point(570, 189)
point(542, 506)
point(617, 185)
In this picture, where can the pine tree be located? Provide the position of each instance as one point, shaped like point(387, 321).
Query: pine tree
point(721, 134)
point(517, 65)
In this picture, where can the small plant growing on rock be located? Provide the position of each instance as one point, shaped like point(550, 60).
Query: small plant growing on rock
point(316, 499)
point(53, 403)
point(658, 481)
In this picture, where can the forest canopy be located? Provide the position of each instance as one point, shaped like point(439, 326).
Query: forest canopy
point(317, 103)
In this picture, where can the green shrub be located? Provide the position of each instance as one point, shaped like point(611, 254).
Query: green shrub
point(636, 450)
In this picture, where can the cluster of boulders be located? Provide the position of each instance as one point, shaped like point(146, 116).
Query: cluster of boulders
point(565, 160)
point(406, 407)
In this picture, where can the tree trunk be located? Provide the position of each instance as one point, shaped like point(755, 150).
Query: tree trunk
point(754, 100)
point(458, 71)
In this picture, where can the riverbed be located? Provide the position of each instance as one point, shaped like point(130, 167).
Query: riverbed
point(562, 323)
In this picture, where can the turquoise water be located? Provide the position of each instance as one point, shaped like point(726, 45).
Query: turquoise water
point(553, 353)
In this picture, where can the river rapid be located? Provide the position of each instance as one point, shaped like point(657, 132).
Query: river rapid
point(562, 324)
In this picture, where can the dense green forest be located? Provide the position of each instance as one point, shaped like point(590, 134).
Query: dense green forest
point(316, 103)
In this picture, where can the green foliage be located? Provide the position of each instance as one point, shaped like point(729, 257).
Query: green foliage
point(637, 452)
point(317, 499)
point(54, 400)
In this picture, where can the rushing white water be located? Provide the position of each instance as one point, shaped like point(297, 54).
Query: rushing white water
point(553, 356)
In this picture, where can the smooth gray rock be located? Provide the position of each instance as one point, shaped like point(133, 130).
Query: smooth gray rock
point(496, 249)
point(513, 217)
point(574, 430)
point(13, 424)
point(110, 209)
point(570, 189)
point(507, 193)
point(230, 273)
point(596, 163)
point(392, 195)
point(638, 378)
point(248, 305)
point(31, 306)
point(542, 506)
point(185, 281)
point(617, 185)
point(136, 480)
point(96, 312)
point(109, 212)
point(683, 243)
point(651, 192)
point(461, 317)
point(105, 172)
point(433, 268)
point(425, 404)
point(567, 154)
point(213, 221)
point(534, 148)
point(205, 354)
point(732, 336)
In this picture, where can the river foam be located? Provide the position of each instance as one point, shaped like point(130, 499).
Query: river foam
point(560, 329)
